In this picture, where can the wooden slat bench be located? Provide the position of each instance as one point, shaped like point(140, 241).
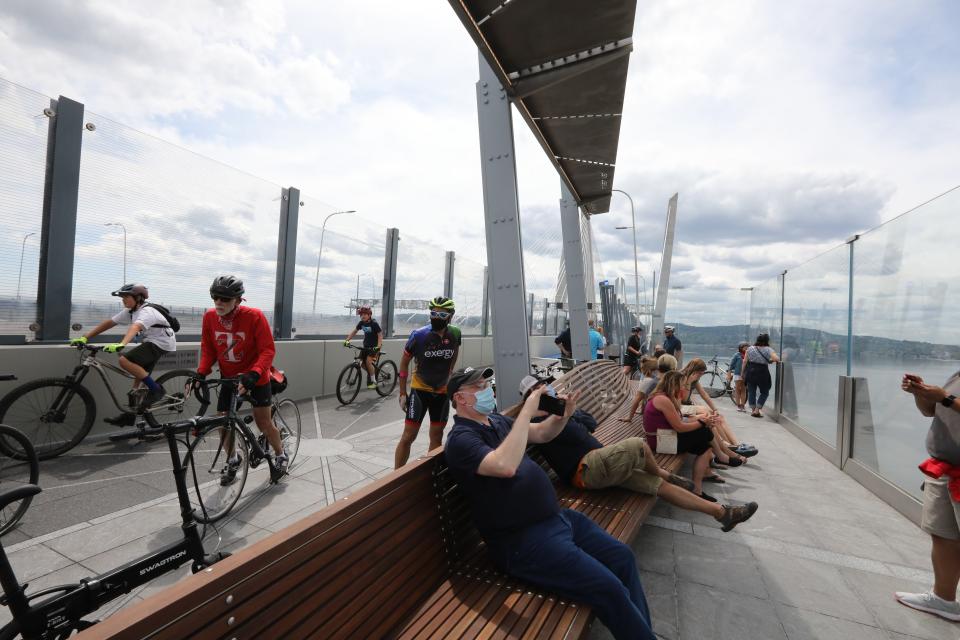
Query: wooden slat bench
point(399, 558)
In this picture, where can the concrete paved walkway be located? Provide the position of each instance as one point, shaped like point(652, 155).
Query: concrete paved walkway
point(820, 560)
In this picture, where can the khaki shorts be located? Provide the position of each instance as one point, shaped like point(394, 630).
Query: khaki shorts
point(941, 515)
point(620, 465)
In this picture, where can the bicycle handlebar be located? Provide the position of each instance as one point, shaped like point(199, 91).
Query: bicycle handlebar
point(19, 493)
point(7, 376)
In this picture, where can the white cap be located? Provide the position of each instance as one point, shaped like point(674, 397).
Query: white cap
point(528, 383)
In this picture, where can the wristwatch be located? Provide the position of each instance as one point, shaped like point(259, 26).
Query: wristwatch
point(948, 401)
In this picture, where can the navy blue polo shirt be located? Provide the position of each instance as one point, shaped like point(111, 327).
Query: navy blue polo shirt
point(672, 344)
point(501, 506)
point(565, 451)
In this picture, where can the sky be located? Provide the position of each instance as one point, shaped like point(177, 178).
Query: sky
point(784, 127)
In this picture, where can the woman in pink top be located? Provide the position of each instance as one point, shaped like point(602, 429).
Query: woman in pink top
point(694, 436)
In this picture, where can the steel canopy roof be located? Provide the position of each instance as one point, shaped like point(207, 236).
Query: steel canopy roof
point(564, 65)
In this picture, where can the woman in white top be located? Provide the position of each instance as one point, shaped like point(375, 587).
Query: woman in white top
point(756, 373)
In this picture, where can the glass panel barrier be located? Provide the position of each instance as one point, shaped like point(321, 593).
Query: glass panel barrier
point(765, 315)
point(151, 212)
point(468, 294)
point(815, 341)
point(349, 272)
point(419, 279)
point(709, 321)
point(906, 305)
point(23, 150)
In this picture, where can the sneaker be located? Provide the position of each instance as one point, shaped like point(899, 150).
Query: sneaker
point(931, 603)
point(732, 516)
point(745, 450)
point(229, 473)
point(371, 384)
point(681, 482)
point(125, 419)
point(152, 396)
point(281, 462)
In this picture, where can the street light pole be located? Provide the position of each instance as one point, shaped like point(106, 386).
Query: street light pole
point(120, 224)
point(636, 271)
point(316, 281)
point(23, 245)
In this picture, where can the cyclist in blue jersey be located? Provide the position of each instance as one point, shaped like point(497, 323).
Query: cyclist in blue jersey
point(372, 342)
point(435, 347)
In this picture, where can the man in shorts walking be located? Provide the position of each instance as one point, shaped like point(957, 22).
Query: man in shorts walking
point(435, 347)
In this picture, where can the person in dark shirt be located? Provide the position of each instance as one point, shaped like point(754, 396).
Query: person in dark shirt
point(563, 341)
point(516, 509)
point(580, 460)
point(635, 349)
point(372, 342)
point(672, 344)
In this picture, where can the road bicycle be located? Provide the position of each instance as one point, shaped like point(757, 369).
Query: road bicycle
point(56, 612)
point(218, 482)
point(16, 471)
point(546, 370)
point(715, 380)
point(350, 379)
point(57, 413)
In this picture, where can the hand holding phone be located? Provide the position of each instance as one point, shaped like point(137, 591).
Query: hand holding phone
point(555, 406)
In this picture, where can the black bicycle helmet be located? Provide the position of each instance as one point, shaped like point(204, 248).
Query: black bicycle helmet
point(227, 287)
point(440, 302)
point(132, 290)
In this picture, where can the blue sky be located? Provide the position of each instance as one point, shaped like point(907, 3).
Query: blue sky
point(784, 127)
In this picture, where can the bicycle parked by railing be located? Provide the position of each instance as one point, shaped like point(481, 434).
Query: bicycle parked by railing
point(19, 467)
point(56, 612)
point(716, 381)
point(217, 480)
point(351, 377)
point(57, 413)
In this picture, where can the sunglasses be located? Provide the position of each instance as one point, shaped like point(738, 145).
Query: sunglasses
point(220, 299)
point(443, 315)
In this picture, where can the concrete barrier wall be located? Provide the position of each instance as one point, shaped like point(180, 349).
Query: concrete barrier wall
point(311, 365)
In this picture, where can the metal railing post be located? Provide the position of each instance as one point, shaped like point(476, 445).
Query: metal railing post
point(286, 263)
point(389, 281)
point(448, 264)
point(485, 314)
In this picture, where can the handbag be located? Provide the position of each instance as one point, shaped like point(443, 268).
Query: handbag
point(754, 370)
point(667, 441)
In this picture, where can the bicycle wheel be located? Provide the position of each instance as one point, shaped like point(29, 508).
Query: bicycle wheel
point(714, 384)
point(54, 414)
point(286, 416)
point(386, 377)
point(177, 405)
point(348, 384)
point(16, 472)
point(206, 464)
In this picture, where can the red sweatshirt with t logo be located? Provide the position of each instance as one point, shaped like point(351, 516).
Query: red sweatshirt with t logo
point(240, 344)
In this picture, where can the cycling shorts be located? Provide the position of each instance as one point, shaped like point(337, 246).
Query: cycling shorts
point(258, 397)
point(145, 354)
point(419, 403)
point(368, 352)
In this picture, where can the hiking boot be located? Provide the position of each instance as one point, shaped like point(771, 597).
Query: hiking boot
point(930, 603)
point(681, 482)
point(125, 419)
point(229, 472)
point(153, 395)
point(732, 516)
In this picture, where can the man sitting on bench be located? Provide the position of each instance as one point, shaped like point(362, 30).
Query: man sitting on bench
point(516, 510)
point(580, 460)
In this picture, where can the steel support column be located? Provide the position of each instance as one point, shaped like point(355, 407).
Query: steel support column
point(286, 263)
point(576, 285)
point(59, 224)
point(663, 288)
point(448, 264)
point(485, 314)
point(389, 281)
point(511, 347)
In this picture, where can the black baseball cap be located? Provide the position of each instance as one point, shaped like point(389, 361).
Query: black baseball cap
point(468, 375)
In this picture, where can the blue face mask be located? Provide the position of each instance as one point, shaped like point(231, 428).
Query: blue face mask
point(486, 402)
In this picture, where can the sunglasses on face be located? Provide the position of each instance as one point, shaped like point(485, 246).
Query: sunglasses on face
point(220, 299)
point(443, 315)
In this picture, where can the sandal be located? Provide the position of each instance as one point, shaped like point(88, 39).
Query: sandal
point(745, 450)
point(714, 479)
point(706, 496)
point(735, 461)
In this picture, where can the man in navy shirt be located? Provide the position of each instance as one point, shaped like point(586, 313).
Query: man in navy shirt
point(516, 510)
point(672, 344)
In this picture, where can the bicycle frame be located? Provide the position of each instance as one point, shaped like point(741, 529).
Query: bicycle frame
point(63, 612)
point(257, 453)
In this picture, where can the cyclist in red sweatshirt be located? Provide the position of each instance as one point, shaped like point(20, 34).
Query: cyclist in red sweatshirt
point(238, 339)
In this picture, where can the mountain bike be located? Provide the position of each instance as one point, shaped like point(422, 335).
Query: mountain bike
point(217, 481)
point(57, 413)
point(715, 380)
point(16, 471)
point(348, 384)
point(56, 612)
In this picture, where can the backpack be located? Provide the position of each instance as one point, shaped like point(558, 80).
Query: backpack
point(172, 322)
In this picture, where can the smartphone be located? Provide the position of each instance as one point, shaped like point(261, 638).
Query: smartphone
point(556, 406)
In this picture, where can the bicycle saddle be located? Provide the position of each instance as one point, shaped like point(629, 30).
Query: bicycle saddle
point(18, 494)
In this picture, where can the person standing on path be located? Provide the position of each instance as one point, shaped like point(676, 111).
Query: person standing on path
point(672, 345)
point(597, 341)
point(941, 494)
point(756, 373)
point(635, 350)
